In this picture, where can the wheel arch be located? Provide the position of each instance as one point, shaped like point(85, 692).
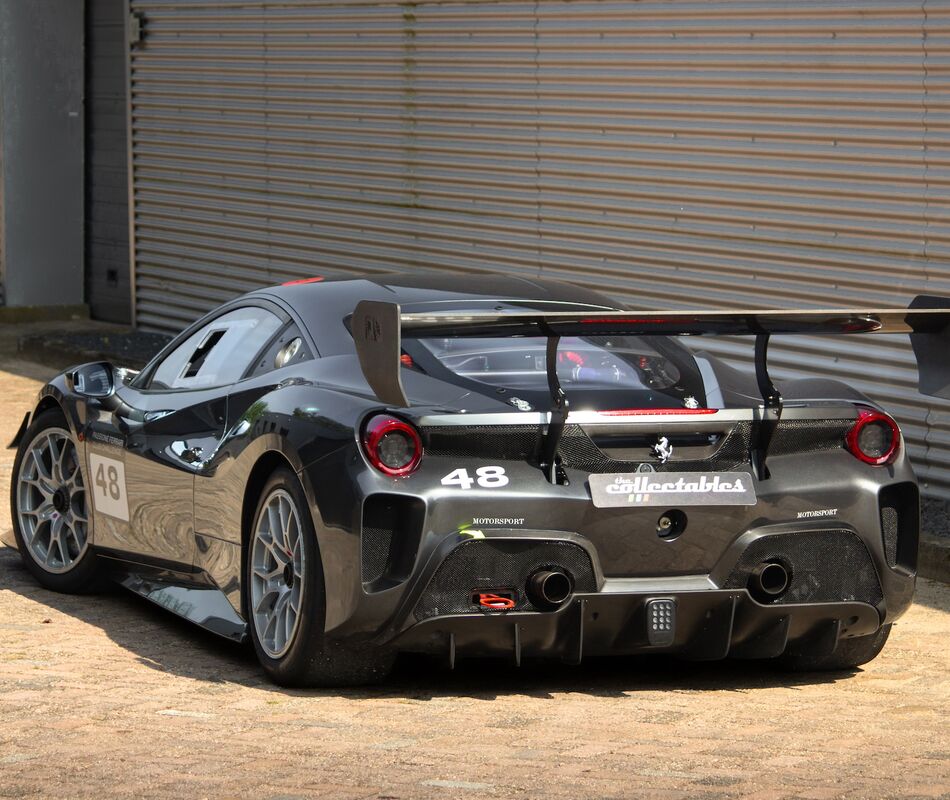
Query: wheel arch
point(46, 403)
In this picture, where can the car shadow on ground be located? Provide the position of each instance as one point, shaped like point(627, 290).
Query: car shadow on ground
point(164, 642)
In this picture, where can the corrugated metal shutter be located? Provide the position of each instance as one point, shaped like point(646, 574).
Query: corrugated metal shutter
point(670, 153)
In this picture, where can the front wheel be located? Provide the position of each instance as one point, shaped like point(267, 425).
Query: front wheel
point(50, 508)
point(285, 597)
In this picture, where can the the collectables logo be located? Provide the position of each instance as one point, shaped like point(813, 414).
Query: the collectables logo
point(671, 489)
point(640, 488)
point(663, 450)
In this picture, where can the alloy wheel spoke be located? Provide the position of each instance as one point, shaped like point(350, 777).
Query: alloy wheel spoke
point(260, 608)
point(278, 555)
point(41, 512)
point(268, 575)
point(273, 522)
point(289, 619)
point(76, 536)
point(55, 458)
point(43, 473)
point(39, 484)
point(54, 542)
point(280, 617)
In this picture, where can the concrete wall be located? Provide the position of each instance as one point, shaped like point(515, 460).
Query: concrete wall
point(41, 151)
point(107, 188)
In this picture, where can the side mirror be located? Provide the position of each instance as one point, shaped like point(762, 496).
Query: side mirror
point(92, 380)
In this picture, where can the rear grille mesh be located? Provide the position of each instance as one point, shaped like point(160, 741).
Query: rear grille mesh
point(889, 530)
point(511, 442)
point(500, 564)
point(809, 436)
point(825, 566)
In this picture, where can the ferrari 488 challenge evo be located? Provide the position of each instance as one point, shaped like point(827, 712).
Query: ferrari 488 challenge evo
point(345, 469)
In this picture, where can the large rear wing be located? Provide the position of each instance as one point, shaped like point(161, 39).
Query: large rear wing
point(379, 327)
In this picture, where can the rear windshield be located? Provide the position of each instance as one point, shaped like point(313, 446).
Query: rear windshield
point(647, 371)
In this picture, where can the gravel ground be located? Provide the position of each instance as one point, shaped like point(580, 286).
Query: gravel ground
point(108, 696)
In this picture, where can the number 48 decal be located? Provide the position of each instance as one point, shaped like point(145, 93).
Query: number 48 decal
point(486, 477)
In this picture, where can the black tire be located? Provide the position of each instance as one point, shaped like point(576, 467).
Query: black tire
point(310, 659)
point(849, 654)
point(84, 573)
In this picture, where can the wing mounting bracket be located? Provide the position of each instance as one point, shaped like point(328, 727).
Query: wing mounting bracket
point(553, 470)
point(765, 426)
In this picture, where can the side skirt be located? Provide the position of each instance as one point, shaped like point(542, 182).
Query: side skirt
point(192, 596)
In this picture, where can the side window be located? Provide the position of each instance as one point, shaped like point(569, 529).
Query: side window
point(287, 349)
point(219, 353)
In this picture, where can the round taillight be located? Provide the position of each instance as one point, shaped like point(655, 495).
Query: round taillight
point(874, 438)
point(392, 445)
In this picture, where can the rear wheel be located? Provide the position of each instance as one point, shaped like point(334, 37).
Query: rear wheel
point(285, 597)
point(50, 509)
point(849, 653)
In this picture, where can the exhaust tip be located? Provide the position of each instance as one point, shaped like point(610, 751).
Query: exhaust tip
point(768, 581)
point(549, 589)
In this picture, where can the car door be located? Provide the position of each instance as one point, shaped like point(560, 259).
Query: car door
point(144, 451)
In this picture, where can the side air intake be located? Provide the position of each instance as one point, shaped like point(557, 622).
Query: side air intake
point(392, 526)
point(900, 524)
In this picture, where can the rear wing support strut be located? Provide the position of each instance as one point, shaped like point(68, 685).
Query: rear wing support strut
point(772, 408)
point(559, 408)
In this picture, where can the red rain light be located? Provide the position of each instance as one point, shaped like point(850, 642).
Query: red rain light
point(297, 282)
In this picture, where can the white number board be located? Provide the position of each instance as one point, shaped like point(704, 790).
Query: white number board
point(107, 479)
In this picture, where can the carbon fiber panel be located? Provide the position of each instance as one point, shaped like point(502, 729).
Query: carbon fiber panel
point(578, 451)
point(825, 566)
point(497, 564)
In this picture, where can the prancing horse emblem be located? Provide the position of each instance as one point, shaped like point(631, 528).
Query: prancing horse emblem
point(663, 449)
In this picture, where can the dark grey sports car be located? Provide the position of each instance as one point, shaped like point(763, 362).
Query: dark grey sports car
point(342, 470)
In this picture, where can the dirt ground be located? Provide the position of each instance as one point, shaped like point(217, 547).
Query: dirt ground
point(107, 696)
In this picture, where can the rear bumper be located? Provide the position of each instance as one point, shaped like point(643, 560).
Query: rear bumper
point(703, 625)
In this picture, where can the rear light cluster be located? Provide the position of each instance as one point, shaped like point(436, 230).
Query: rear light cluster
point(392, 445)
point(874, 438)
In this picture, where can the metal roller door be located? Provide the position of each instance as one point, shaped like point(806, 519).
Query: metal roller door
point(670, 153)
